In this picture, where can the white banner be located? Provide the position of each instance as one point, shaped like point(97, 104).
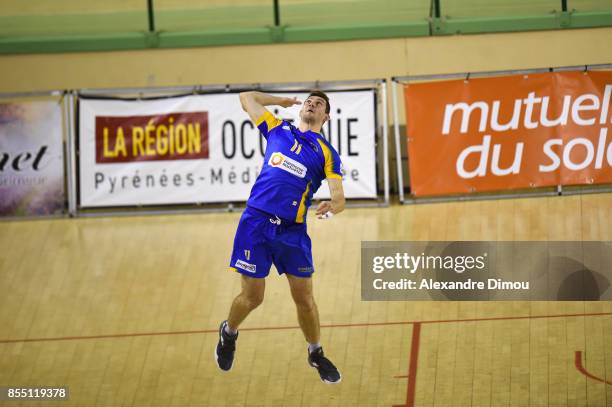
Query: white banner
point(204, 148)
point(31, 158)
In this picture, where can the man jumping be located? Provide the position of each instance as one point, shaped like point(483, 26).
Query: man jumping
point(272, 228)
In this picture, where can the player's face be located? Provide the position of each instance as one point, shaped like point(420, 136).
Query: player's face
point(313, 110)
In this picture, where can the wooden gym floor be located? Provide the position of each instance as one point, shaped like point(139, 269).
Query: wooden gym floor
point(125, 311)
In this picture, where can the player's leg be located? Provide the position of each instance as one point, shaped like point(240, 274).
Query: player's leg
point(250, 297)
point(292, 255)
point(308, 317)
point(307, 311)
point(250, 258)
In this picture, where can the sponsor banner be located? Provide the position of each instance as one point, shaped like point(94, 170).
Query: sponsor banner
point(482, 271)
point(180, 136)
point(31, 158)
point(512, 132)
point(204, 148)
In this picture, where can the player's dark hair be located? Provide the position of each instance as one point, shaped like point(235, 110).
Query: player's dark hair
point(322, 96)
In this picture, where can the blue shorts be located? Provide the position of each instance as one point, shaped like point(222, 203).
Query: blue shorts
point(262, 239)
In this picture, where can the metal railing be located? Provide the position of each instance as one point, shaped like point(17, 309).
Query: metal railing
point(281, 23)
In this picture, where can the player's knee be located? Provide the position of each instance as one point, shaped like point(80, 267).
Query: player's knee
point(254, 300)
point(304, 302)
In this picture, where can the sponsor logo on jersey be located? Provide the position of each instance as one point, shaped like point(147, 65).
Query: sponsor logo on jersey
point(251, 268)
point(279, 160)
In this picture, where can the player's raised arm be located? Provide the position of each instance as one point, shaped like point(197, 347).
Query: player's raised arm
point(336, 205)
point(254, 103)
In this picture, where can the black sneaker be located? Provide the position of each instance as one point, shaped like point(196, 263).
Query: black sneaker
point(224, 354)
point(328, 372)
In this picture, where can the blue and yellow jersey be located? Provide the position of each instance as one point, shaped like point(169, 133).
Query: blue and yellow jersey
point(295, 164)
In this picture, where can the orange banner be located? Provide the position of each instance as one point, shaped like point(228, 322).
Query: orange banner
point(511, 132)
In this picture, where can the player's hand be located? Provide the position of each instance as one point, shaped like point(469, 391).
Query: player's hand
point(325, 210)
point(324, 207)
point(288, 102)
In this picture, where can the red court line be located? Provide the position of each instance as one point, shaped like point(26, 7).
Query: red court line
point(581, 369)
point(414, 358)
point(278, 328)
point(412, 369)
